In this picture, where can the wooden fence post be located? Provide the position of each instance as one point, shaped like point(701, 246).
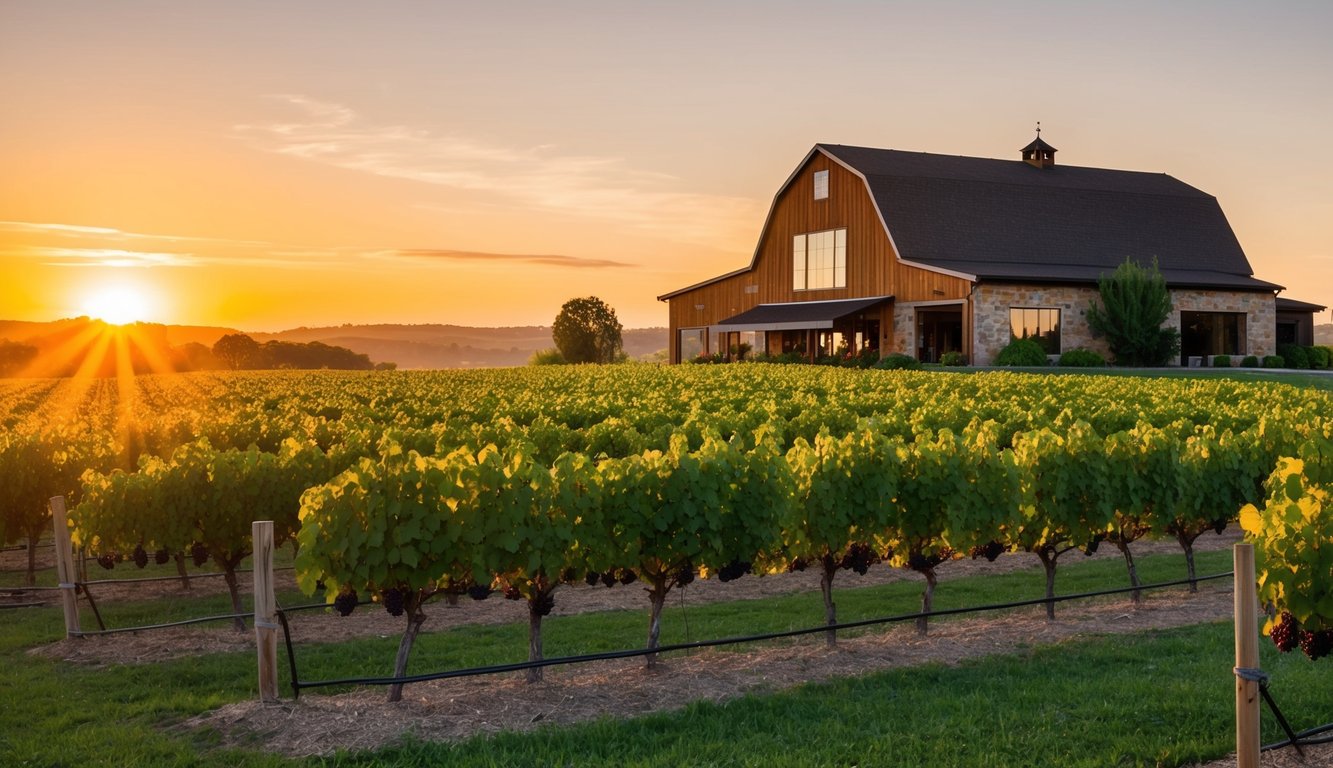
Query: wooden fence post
point(1247, 656)
point(65, 571)
point(266, 636)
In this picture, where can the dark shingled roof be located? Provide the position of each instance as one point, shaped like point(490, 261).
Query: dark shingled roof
point(797, 314)
point(1007, 220)
point(1292, 305)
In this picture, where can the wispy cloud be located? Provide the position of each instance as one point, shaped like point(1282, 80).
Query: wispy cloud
point(111, 257)
point(549, 260)
point(80, 231)
point(536, 177)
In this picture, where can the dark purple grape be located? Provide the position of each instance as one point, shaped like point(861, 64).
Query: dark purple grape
point(1284, 632)
point(627, 577)
point(799, 564)
point(1317, 644)
point(1220, 524)
point(394, 600)
point(199, 553)
point(685, 576)
point(107, 560)
point(568, 576)
point(592, 577)
point(345, 602)
point(478, 592)
point(512, 593)
point(544, 604)
point(609, 578)
point(161, 557)
point(140, 557)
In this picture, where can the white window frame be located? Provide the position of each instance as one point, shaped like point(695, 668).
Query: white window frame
point(828, 249)
point(821, 185)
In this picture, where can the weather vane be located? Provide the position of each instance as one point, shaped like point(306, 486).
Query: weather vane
point(1039, 129)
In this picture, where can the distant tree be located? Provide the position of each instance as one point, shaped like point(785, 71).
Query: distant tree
point(386, 366)
point(14, 357)
point(193, 356)
point(238, 351)
point(1135, 304)
point(587, 331)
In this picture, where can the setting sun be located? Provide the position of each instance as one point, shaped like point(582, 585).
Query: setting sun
point(119, 304)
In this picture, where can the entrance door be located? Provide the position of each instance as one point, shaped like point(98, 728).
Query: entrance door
point(938, 331)
point(1211, 333)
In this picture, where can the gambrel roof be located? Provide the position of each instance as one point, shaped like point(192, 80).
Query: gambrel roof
point(1007, 220)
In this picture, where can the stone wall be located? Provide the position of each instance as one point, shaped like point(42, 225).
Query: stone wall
point(991, 304)
point(990, 313)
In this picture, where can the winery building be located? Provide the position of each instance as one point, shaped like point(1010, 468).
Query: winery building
point(925, 254)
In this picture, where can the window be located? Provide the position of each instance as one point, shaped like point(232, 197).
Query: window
point(821, 185)
point(819, 260)
point(692, 343)
point(1040, 325)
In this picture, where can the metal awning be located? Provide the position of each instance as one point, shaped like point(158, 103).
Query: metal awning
point(797, 315)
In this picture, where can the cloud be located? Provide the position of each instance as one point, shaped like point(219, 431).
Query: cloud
point(554, 261)
point(83, 232)
point(110, 257)
point(540, 178)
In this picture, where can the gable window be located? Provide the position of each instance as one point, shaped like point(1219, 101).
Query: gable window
point(819, 260)
point(1040, 324)
point(821, 185)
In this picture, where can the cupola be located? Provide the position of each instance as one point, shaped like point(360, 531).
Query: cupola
point(1039, 154)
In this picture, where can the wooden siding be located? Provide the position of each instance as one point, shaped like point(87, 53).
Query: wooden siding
point(872, 266)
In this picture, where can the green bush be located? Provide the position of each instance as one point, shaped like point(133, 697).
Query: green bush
point(1082, 358)
point(547, 357)
point(707, 359)
point(1319, 357)
point(1250, 361)
point(898, 361)
point(953, 359)
point(1221, 361)
point(1023, 352)
point(1296, 356)
point(1274, 361)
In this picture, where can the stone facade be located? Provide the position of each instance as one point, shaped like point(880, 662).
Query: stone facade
point(991, 304)
point(990, 316)
point(1260, 315)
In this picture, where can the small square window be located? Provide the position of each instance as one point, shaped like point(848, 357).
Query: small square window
point(821, 185)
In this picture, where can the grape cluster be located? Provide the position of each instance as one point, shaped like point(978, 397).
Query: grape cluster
point(199, 553)
point(478, 592)
point(345, 602)
point(161, 556)
point(733, 570)
point(1283, 634)
point(685, 576)
point(591, 578)
point(859, 558)
point(108, 560)
point(1316, 644)
point(1220, 524)
point(609, 578)
point(990, 550)
point(1091, 549)
point(628, 576)
point(919, 562)
point(798, 564)
point(512, 592)
point(394, 600)
point(568, 576)
point(544, 604)
point(140, 556)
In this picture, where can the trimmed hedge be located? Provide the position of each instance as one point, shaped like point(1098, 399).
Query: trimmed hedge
point(1022, 352)
point(1082, 358)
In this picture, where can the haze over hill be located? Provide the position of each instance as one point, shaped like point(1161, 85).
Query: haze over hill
point(409, 346)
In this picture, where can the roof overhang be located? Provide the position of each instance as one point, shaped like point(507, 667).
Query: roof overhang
point(798, 315)
point(1292, 305)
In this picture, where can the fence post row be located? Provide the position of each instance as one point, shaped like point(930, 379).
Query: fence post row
point(1247, 656)
point(65, 571)
point(266, 638)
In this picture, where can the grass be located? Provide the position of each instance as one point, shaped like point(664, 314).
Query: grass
point(1159, 697)
point(1248, 375)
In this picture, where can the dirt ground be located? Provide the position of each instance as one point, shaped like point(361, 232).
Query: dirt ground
point(458, 709)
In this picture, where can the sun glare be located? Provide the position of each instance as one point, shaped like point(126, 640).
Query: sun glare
point(119, 304)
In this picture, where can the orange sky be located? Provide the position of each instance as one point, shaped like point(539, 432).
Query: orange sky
point(266, 165)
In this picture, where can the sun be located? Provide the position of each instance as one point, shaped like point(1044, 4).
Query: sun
point(119, 304)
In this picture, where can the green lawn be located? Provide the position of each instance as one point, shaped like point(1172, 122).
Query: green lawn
point(1160, 697)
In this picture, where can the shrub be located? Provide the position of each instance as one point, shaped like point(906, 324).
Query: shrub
point(1024, 352)
point(898, 361)
point(1221, 361)
point(867, 358)
point(1082, 358)
point(1135, 304)
point(953, 359)
point(547, 357)
point(707, 359)
point(1296, 356)
point(1319, 357)
point(1274, 361)
point(1250, 361)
